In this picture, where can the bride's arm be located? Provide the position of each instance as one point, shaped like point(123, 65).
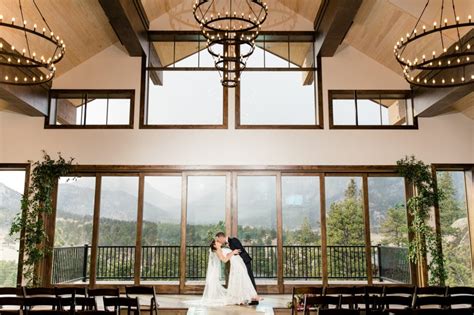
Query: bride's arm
point(226, 258)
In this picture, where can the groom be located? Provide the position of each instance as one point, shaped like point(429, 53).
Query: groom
point(234, 243)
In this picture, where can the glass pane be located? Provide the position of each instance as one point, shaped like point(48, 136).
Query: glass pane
point(368, 112)
point(388, 229)
point(344, 112)
point(345, 229)
point(119, 111)
point(301, 227)
point(96, 113)
point(201, 104)
point(276, 98)
point(73, 234)
point(205, 217)
point(396, 111)
point(12, 187)
point(455, 228)
point(161, 228)
point(256, 199)
point(117, 228)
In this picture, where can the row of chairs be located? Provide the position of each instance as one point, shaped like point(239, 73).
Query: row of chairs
point(74, 300)
point(383, 300)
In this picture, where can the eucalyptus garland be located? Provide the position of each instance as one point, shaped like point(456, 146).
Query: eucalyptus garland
point(426, 243)
point(36, 205)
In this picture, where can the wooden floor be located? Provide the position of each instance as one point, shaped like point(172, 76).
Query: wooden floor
point(188, 304)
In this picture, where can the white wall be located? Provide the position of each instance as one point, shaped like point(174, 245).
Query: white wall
point(443, 139)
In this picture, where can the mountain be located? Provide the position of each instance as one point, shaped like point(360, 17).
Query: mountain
point(114, 204)
point(10, 205)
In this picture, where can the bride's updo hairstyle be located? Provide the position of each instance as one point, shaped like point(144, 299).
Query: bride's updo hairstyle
point(213, 245)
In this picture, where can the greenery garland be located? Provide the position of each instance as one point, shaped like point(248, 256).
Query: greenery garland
point(36, 205)
point(425, 242)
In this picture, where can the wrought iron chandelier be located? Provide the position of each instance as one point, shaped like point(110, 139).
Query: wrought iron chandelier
point(230, 28)
point(35, 62)
point(450, 59)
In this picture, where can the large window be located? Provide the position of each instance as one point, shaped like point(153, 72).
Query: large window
point(206, 213)
point(278, 88)
point(371, 109)
point(454, 223)
point(388, 229)
point(12, 187)
point(279, 98)
point(345, 229)
point(117, 228)
point(257, 224)
point(182, 93)
point(301, 224)
point(73, 234)
point(161, 235)
point(91, 109)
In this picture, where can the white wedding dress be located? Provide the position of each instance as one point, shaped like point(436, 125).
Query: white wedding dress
point(239, 290)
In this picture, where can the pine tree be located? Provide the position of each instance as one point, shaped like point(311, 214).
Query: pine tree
point(394, 228)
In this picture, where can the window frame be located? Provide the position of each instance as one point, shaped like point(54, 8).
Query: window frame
point(26, 167)
point(359, 94)
point(190, 36)
point(127, 93)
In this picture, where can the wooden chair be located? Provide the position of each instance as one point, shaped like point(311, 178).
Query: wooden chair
point(103, 292)
point(318, 303)
point(338, 290)
point(85, 304)
point(461, 304)
point(452, 291)
point(42, 303)
point(48, 312)
point(145, 292)
point(12, 291)
point(433, 290)
point(11, 305)
point(395, 304)
point(115, 304)
point(93, 313)
point(399, 291)
point(68, 296)
point(39, 292)
point(296, 304)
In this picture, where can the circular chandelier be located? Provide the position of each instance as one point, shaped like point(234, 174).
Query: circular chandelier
point(438, 56)
point(230, 28)
point(35, 62)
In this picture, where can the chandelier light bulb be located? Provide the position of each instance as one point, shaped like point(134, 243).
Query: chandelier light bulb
point(13, 20)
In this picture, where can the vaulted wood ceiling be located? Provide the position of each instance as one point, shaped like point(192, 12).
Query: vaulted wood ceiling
point(286, 15)
point(87, 31)
point(82, 24)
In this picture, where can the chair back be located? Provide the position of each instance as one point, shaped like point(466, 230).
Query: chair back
point(399, 290)
point(114, 292)
point(301, 292)
point(44, 292)
point(433, 290)
point(320, 302)
point(460, 291)
point(339, 290)
point(11, 291)
point(12, 303)
point(85, 303)
point(430, 302)
point(116, 303)
point(144, 291)
point(461, 302)
point(50, 302)
point(390, 302)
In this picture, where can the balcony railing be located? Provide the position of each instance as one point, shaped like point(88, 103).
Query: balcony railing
point(161, 263)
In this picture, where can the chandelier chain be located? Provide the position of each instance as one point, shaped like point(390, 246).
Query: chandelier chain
point(26, 36)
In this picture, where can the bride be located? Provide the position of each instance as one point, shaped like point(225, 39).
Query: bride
point(239, 290)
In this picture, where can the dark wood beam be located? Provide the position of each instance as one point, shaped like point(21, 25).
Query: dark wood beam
point(430, 102)
point(31, 100)
point(130, 23)
point(332, 23)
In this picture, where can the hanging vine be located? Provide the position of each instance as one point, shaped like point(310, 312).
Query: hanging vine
point(36, 205)
point(425, 242)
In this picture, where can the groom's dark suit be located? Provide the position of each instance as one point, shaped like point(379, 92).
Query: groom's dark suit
point(234, 243)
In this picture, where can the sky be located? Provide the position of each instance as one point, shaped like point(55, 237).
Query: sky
point(14, 180)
